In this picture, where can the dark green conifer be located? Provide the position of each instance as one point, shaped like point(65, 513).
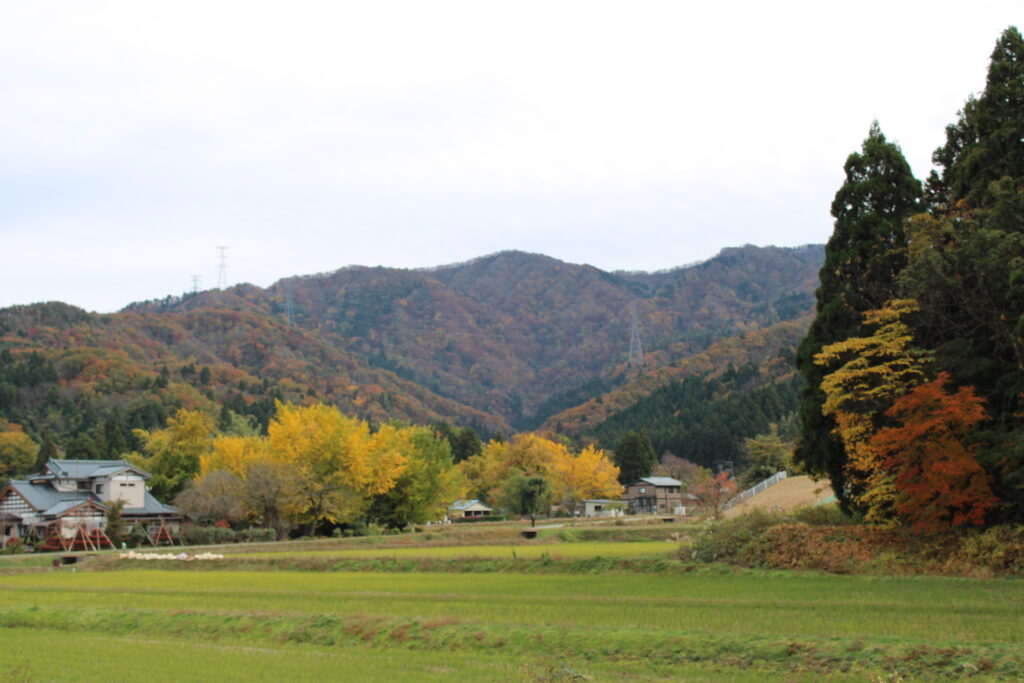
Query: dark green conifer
point(863, 258)
point(987, 141)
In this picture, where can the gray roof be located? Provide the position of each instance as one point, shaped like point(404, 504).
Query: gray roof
point(659, 481)
point(65, 505)
point(89, 469)
point(152, 506)
point(43, 496)
point(465, 504)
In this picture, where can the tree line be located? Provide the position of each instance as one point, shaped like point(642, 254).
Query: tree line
point(914, 364)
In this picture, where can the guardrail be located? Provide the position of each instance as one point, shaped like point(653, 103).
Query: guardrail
point(756, 489)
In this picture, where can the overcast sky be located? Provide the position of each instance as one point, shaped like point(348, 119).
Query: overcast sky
point(137, 136)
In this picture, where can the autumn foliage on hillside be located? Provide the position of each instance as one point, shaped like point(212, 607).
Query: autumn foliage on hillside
point(496, 344)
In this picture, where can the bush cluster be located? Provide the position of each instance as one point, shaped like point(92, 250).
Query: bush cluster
point(483, 518)
point(213, 535)
point(824, 539)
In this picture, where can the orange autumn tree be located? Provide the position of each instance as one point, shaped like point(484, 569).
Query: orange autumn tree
point(939, 483)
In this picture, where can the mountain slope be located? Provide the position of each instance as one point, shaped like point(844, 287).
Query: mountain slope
point(507, 332)
point(501, 342)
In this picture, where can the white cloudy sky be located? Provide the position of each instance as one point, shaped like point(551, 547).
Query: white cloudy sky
point(136, 136)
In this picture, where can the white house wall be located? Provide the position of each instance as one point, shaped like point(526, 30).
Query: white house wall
point(129, 488)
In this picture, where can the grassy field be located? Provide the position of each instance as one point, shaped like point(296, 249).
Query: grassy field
point(598, 603)
point(370, 626)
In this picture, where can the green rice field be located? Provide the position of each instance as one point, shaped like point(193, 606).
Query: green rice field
point(191, 623)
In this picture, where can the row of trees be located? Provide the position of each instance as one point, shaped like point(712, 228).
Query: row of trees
point(314, 467)
point(915, 362)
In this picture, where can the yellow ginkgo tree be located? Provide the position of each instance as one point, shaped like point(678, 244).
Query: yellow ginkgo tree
point(337, 462)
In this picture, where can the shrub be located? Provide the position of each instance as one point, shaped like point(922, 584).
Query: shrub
point(257, 535)
point(1000, 548)
point(736, 541)
point(13, 545)
point(569, 535)
point(822, 515)
point(481, 518)
point(197, 535)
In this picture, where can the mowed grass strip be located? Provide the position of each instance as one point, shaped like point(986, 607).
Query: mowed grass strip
point(298, 654)
point(566, 550)
point(793, 605)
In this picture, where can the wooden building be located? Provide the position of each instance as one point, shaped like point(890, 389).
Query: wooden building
point(67, 503)
point(656, 496)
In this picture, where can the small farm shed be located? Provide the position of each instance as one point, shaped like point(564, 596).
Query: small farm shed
point(468, 508)
point(603, 508)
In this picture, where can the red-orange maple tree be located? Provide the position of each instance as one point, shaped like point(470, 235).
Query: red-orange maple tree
point(939, 483)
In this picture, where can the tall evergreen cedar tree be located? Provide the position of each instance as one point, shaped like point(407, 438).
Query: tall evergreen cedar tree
point(634, 456)
point(862, 260)
point(967, 264)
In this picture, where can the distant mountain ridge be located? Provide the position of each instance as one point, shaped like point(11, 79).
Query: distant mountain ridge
point(500, 342)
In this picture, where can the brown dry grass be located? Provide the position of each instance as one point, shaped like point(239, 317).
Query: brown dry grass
point(789, 494)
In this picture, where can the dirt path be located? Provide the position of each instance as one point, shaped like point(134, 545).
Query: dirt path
point(788, 494)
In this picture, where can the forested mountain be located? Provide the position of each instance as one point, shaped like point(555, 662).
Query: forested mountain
point(506, 332)
point(499, 343)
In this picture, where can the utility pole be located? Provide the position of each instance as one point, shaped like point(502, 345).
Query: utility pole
point(222, 267)
point(636, 349)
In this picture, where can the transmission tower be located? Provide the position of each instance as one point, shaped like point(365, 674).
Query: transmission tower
point(636, 349)
point(222, 267)
point(195, 284)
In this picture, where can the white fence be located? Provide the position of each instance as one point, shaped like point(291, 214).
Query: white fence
point(770, 481)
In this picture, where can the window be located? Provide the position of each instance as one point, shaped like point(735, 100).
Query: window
point(99, 488)
point(643, 489)
point(123, 484)
point(84, 485)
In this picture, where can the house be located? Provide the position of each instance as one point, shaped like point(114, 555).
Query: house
point(67, 503)
point(468, 508)
point(657, 496)
point(603, 508)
